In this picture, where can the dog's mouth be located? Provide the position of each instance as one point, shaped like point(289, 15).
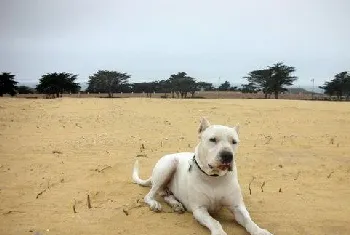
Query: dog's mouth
point(222, 166)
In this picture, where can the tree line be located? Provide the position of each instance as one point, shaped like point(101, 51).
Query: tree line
point(339, 86)
point(272, 80)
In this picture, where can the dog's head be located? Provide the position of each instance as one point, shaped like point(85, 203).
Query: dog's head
point(216, 150)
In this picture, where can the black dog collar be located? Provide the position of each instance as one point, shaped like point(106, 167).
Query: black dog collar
point(195, 161)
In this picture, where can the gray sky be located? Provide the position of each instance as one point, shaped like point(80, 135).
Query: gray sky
point(155, 38)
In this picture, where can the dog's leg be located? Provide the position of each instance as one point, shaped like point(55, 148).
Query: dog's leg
point(149, 198)
point(203, 217)
point(162, 173)
point(243, 218)
point(174, 203)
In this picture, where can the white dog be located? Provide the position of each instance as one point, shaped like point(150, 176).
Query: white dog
point(202, 182)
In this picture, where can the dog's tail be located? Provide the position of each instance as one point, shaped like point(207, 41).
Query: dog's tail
point(136, 178)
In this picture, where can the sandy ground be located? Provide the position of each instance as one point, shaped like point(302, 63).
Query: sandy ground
point(53, 153)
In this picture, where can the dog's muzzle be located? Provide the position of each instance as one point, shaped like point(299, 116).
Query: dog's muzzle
point(226, 159)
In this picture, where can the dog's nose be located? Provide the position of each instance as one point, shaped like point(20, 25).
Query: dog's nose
point(226, 157)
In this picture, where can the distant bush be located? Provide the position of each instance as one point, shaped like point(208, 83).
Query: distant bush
point(25, 90)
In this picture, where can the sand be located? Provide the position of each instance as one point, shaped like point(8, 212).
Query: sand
point(54, 153)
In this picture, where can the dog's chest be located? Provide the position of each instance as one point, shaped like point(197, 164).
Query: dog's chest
point(215, 197)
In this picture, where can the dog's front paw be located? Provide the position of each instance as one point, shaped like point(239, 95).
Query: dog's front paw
point(262, 232)
point(178, 207)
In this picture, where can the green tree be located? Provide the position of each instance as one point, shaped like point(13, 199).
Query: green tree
point(58, 83)
point(106, 81)
point(8, 85)
point(234, 88)
point(181, 84)
point(125, 87)
point(150, 87)
point(260, 79)
point(187, 85)
point(338, 86)
point(164, 86)
point(205, 86)
point(281, 77)
point(25, 90)
point(175, 83)
point(273, 79)
point(225, 86)
point(249, 88)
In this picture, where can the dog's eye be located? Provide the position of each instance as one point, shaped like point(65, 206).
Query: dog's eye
point(212, 140)
point(234, 142)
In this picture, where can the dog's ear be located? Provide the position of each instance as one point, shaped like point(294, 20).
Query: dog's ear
point(236, 127)
point(204, 125)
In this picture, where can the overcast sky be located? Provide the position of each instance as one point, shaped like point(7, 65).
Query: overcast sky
point(151, 39)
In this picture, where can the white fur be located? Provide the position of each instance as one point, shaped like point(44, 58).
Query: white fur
point(184, 186)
